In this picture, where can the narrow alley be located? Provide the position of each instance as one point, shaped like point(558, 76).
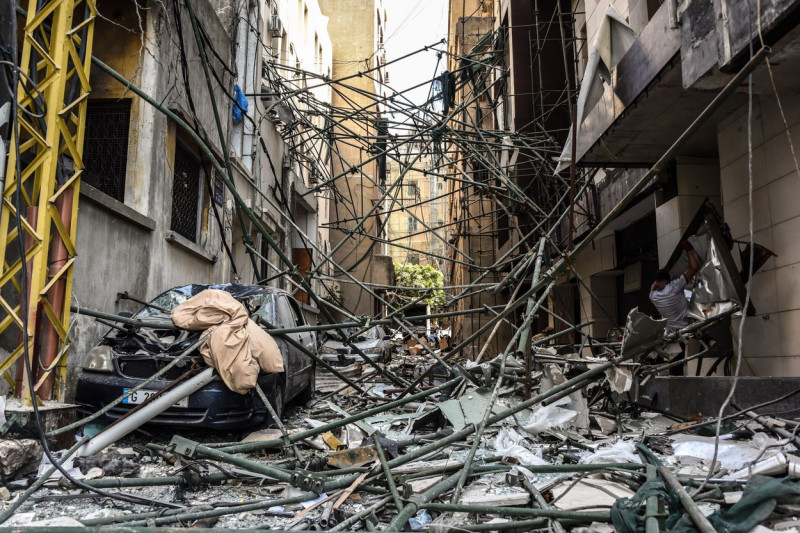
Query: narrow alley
point(378, 265)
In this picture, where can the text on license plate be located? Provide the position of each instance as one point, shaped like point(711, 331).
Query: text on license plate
point(142, 395)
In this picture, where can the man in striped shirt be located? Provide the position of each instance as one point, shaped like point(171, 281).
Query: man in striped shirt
point(667, 295)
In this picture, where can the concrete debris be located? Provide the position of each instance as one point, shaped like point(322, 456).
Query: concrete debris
point(18, 457)
point(589, 494)
point(493, 490)
point(263, 435)
point(463, 450)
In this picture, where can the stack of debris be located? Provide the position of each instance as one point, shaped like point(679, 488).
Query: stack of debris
point(480, 447)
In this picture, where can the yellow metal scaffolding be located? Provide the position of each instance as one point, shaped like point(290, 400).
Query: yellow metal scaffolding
point(40, 197)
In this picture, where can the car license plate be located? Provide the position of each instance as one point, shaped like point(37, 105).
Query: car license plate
point(142, 395)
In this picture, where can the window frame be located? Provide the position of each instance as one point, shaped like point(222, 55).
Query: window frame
point(202, 193)
point(125, 105)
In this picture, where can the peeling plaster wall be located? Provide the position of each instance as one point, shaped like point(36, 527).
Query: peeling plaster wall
point(123, 247)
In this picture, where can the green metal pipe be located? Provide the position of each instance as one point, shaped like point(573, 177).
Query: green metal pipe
point(532, 304)
point(221, 511)
point(220, 132)
point(278, 421)
point(419, 501)
point(530, 487)
point(345, 524)
point(526, 525)
point(120, 482)
point(388, 473)
point(124, 519)
point(155, 324)
point(211, 453)
point(652, 514)
point(697, 516)
point(584, 516)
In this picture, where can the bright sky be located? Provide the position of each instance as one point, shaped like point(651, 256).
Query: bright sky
point(411, 25)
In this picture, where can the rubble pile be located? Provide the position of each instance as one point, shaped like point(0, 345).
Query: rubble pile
point(475, 447)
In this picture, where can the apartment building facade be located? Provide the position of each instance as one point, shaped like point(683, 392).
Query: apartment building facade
point(682, 56)
point(357, 211)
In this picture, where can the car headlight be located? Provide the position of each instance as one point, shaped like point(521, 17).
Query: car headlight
point(326, 349)
point(372, 350)
point(98, 359)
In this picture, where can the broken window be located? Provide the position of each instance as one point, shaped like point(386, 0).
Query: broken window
point(187, 173)
point(105, 151)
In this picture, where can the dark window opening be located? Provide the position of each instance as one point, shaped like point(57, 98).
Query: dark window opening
point(264, 251)
point(185, 193)
point(105, 147)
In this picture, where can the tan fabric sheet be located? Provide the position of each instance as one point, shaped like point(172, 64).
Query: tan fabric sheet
point(237, 347)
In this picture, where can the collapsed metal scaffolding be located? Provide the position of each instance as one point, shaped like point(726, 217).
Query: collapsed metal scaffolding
point(483, 168)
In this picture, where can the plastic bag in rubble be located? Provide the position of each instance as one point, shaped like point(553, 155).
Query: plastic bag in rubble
point(509, 443)
point(550, 417)
point(419, 522)
point(732, 455)
point(622, 451)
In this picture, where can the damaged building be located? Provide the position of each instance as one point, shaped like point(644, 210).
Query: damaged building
point(200, 321)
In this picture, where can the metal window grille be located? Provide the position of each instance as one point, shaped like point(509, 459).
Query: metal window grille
point(105, 151)
point(185, 193)
point(219, 189)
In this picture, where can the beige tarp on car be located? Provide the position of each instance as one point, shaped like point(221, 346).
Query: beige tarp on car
point(236, 347)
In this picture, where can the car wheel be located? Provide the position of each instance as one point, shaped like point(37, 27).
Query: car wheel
point(310, 391)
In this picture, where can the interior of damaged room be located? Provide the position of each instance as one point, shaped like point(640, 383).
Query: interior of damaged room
point(377, 265)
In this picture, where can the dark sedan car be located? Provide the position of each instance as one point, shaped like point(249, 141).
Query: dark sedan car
point(126, 356)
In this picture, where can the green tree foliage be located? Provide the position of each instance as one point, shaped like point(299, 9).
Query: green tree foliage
point(425, 279)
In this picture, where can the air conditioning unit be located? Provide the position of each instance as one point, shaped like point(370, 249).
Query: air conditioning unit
point(275, 26)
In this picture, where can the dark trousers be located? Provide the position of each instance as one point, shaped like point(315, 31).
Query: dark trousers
point(677, 370)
